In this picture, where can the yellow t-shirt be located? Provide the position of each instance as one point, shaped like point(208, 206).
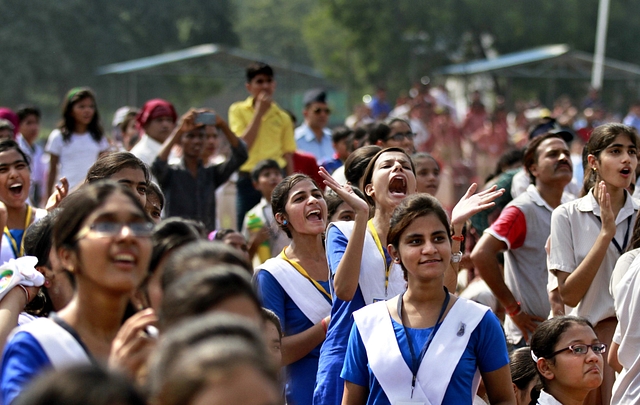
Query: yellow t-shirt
point(275, 136)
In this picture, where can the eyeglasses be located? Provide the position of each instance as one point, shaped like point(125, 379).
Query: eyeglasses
point(400, 136)
point(109, 229)
point(582, 349)
point(319, 110)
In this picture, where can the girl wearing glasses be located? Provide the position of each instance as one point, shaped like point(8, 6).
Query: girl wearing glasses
point(424, 345)
point(15, 213)
point(569, 360)
point(102, 236)
point(589, 234)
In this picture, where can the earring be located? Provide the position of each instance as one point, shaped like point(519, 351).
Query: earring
point(396, 260)
point(285, 222)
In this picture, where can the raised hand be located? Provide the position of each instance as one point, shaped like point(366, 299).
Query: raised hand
point(470, 204)
point(62, 189)
point(345, 192)
point(606, 212)
point(263, 103)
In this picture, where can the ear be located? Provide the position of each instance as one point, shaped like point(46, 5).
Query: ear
point(393, 252)
point(247, 85)
point(140, 300)
point(545, 368)
point(593, 162)
point(279, 218)
point(67, 259)
point(533, 169)
point(368, 190)
point(515, 390)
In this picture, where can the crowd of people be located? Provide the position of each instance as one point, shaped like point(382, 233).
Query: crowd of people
point(406, 256)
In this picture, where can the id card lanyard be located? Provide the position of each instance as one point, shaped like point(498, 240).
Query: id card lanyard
point(415, 361)
point(306, 275)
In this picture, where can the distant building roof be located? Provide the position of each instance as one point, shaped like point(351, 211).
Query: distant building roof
point(551, 61)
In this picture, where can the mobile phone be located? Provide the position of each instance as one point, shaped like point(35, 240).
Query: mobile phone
point(206, 118)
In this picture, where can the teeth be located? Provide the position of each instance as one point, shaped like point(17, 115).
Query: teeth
point(15, 185)
point(123, 257)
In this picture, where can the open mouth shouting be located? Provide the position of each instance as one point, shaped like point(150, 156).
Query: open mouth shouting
point(315, 215)
point(398, 186)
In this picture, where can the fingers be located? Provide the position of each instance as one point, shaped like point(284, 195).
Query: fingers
point(472, 189)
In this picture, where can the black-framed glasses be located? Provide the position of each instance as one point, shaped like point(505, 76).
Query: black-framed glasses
point(582, 349)
point(400, 136)
point(106, 229)
point(318, 110)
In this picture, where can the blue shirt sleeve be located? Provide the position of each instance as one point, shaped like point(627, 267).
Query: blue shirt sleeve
point(335, 246)
point(491, 348)
point(356, 362)
point(22, 360)
point(271, 293)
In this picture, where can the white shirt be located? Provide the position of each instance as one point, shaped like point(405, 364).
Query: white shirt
point(546, 399)
point(626, 390)
point(574, 230)
point(76, 156)
point(147, 149)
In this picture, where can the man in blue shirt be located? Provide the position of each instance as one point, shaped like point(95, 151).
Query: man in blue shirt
point(313, 136)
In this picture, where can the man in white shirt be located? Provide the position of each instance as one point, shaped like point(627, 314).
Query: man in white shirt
point(158, 119)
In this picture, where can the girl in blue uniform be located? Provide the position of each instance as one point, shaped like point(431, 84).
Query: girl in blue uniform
point(295, 283)
point(425, 345)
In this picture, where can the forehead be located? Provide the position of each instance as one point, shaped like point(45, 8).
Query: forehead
point(316, 104)
point(393, 156)
point(623, 139)
point(10, 156)
point(576, 333)
point(302, 186)
point(269, 171)
point(133, 174)
point(425, 225)
point(84, 101)
point(261, 78)
point(117, 203)
point(426, 163)
point(552, 144)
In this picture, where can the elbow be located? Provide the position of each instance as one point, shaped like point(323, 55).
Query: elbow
point(568, 298)
point(344, 293)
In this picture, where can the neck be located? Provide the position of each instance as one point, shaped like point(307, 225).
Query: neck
point(80, 128)
point(425, 292)
point(381, 220)
point(95, 315)
point(317, 132)
point(550, 193)
point(191, 163)
point(16, 217)
point(565, 395)
point(306, 247)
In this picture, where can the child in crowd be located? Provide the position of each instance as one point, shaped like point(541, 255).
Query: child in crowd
point(231, 238)
point(427, 173)
point(266, 239)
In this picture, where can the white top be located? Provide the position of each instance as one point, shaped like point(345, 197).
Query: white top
point(146, 149)
point(546, 399)
point(626, 389)
point(6, 251)
point(76, 156)
point(574, 230)
point(622, 266)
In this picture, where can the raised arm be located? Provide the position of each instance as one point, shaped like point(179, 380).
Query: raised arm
point(261, 106)
point(347, 274)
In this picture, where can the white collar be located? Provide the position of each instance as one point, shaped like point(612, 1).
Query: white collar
point(547, 399)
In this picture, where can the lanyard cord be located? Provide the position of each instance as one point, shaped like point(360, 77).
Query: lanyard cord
point(14, 244)
point(619, 248)
point(415, 362)
point(387, 266)
point(304, 273)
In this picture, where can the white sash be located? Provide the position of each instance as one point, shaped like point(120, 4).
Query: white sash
point(438, 365)
point(372, 269)
point(304, 294)
point(62, 349)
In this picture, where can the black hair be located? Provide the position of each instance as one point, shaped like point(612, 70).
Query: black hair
point(357, 163)
point(67, 124)
point(26, 111)
point(154, 188)
point(258, 68)
point(193, 331)
point(340, 133)
point(198, 292)
point(334, 201)
point(270, 316)
point(379, 133)
point(80, 385)
point(110, 164)
point(261, 166)
point(197, 255)
point(523, 370)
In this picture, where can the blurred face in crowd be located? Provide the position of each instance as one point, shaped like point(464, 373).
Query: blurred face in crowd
point(261, 84)
point(427, 175)
point(192, 143)
point(30, 127)
point(317, 115)
point(400, 136)
point(159, 128)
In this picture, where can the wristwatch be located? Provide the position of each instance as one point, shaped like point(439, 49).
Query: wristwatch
point(456, 257)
